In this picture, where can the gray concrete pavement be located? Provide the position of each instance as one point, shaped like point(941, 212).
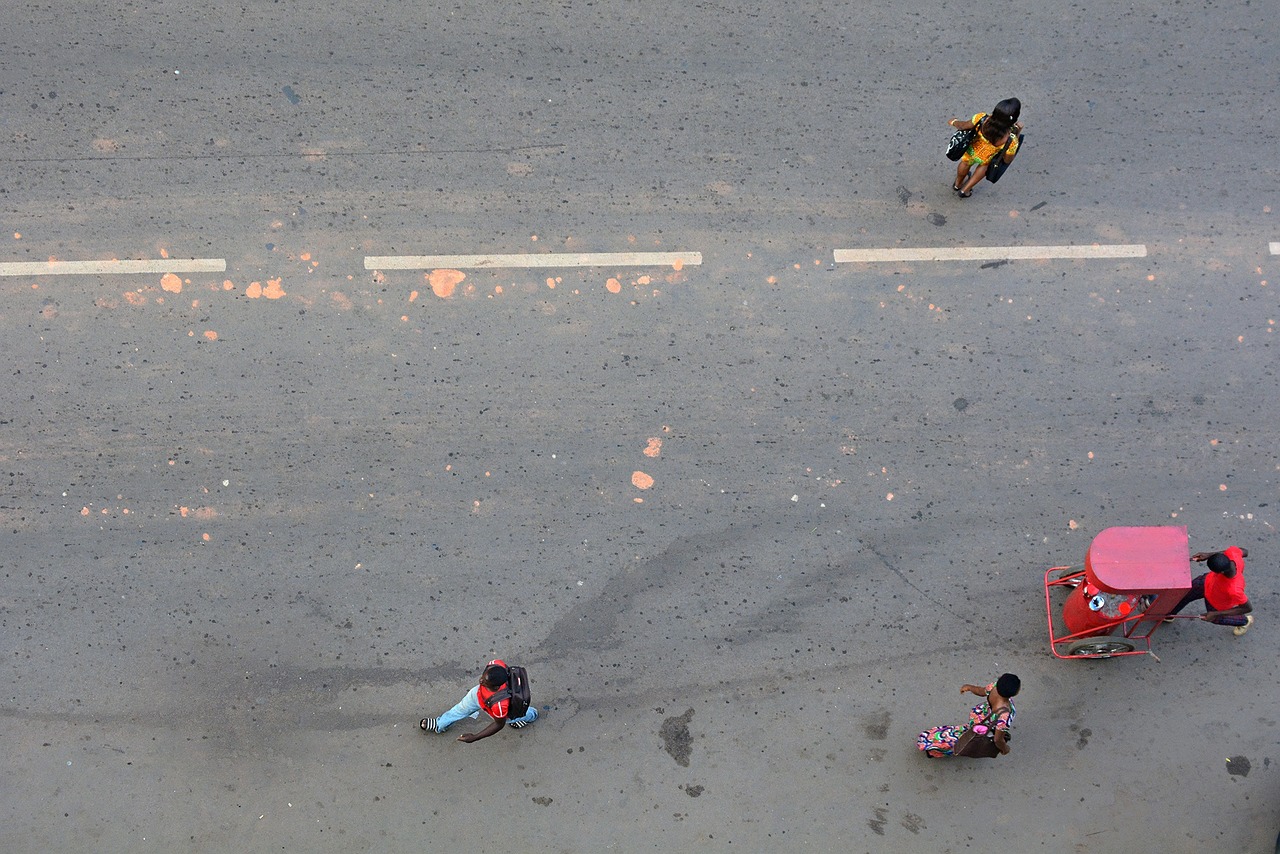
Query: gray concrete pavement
point(258, 522)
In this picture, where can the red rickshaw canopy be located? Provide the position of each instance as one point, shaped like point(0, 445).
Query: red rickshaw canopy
point(1140, 559)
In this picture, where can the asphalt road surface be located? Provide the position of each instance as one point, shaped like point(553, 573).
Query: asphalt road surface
point(750, 515)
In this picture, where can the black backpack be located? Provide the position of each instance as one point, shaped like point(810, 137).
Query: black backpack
point(516, 690)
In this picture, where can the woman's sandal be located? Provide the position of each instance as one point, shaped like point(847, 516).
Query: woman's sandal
point(955, 188)
point(966, 195)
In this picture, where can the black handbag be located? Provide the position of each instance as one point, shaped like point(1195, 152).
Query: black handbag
point(997, 166)
point(960, 141)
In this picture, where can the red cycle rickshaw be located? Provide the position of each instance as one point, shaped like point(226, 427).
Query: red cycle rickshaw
point(1131, 579)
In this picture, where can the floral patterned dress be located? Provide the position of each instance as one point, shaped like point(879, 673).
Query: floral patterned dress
point(940, 741)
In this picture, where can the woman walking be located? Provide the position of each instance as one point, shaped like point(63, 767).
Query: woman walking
point(995, 712)
point(996, 137)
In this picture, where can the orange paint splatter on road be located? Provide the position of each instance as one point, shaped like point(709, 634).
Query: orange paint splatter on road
point(254, 291)
point(640, 480)
point(678, 265)
point(413, 295)
point(205, 537)
point(211, 335)
point(613, 286)
point(273, 289)
point(171, 283)
point(134, 298)
point(643, 280)
point(655, 448)
point(443, 282)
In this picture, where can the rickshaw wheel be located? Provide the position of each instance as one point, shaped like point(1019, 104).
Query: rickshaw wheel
point(1098, 646)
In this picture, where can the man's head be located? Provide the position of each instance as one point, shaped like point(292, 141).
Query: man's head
point(1221, 564)
point(494, 677)
point(1008, 685)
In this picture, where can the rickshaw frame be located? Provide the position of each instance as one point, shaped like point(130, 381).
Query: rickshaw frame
point(1135, 560)
point(1104, 639)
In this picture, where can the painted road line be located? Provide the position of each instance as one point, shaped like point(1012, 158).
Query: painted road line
point(112, 267)
point(1275, 248)
point(541, 259)
point(990, 253)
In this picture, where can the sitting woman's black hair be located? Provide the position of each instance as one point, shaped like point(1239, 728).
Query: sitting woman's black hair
point(495, 675)
point(1008, 685)
point(1001, 119)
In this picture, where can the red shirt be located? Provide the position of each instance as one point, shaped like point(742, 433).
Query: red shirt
point(498, 711)
point(1222, 593)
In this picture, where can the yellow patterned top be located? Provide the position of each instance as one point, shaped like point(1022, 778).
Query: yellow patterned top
point(981, 151)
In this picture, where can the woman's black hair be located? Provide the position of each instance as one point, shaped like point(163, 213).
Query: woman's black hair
point(1010, 107)
point(1008, 685)
point(1001, 119)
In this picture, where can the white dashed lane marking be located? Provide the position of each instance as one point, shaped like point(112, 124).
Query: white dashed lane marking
point(112, 267)
point(990, 253)
point(543, 259)
point(591, 259)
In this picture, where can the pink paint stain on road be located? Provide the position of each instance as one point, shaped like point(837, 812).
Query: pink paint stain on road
point(444, 282)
